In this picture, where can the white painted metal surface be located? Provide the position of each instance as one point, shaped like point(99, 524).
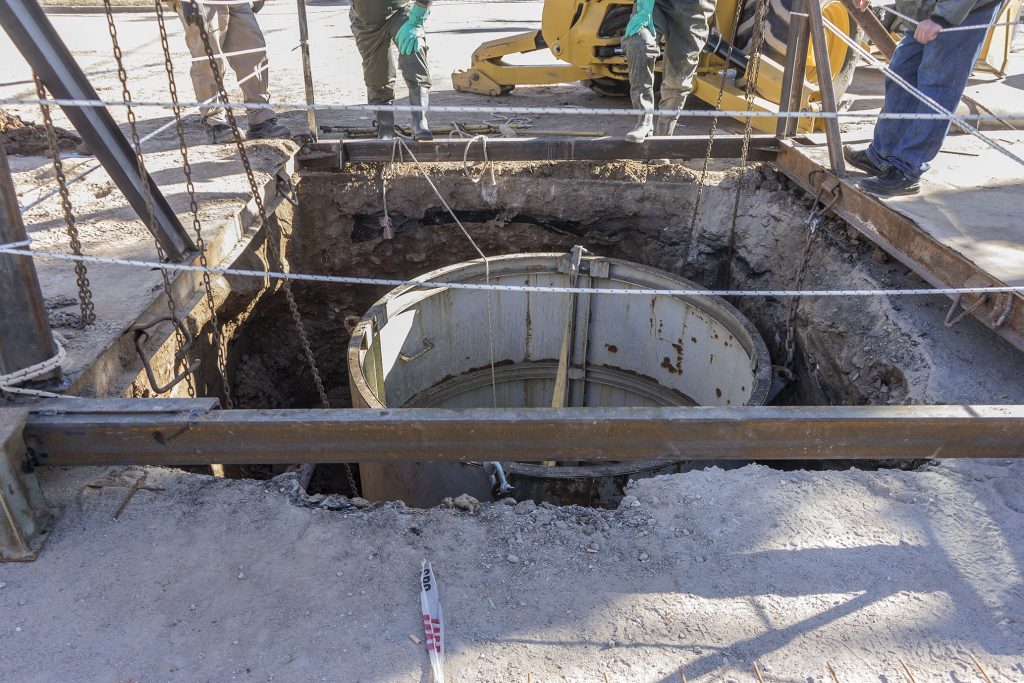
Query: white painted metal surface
point(420, 347)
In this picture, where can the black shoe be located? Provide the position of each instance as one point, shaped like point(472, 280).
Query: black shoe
point(217, 132)
point(859, 158)
point(268, 129)
point(891, 182)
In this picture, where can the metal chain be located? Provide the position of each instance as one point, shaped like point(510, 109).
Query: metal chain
point(754, 66)
point(193, 206)
point(813, 221)
point(272, 248)
point(122, 76)
point(88, 311)
point(711, 134)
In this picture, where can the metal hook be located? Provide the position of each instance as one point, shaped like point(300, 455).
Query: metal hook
point(142, 336)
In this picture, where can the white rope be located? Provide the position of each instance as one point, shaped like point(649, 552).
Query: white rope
point(464, 109)
point(236, 53)
point(924, 97)
point(484, 165)
point(8, 381)
point(146, 138)
point(950, 29)
point(385, 282)
point(487, 265)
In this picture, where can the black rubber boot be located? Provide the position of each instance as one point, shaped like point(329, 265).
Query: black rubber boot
point(420, 97)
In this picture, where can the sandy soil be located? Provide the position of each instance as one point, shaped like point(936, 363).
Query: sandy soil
point(704, 573)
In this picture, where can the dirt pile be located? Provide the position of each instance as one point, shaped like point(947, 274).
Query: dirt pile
point(22, 138)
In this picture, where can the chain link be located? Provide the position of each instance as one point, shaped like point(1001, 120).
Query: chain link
point(193, 206)
point(273, 250)
point(711, 134)
point(754, 66)
point(794, 302)
point(172, 307)
point(88, 311)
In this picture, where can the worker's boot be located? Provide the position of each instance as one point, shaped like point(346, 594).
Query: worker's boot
point(420, 97)
point(667, 126)
point(644, 129)
point(385, 125)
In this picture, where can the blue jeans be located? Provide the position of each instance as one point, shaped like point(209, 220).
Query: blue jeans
point(939, 69)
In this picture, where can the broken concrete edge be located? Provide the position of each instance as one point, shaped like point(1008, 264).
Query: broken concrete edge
point(25, 518)
point(288, 486)
point(117, 370)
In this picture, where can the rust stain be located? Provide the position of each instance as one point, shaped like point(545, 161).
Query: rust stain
point(612, 348)
point(693, 339)
point(666, 363)
point(718, 392)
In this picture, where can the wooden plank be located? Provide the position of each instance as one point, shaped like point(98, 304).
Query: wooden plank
point(906, 241)
point(324, 156)
point(526, 434)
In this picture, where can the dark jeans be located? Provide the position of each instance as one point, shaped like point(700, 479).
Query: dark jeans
point(939, 69)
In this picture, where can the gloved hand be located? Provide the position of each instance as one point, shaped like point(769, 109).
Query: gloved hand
point(410, 36)
point(642, 17)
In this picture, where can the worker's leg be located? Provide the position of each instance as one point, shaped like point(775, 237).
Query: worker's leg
point(201, 72)
point(251, 70)
point(417, 77)
point(686, 31)
point(905, 62)
point(641, 52)
point(946, 65)
point(373, 40)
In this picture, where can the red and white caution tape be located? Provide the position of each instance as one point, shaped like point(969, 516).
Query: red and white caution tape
point(433, 620)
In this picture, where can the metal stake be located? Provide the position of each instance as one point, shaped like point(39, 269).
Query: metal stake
point(828, 95)
point(307, 69)
point(42, 48)
point(25, 336)
point(794, 69)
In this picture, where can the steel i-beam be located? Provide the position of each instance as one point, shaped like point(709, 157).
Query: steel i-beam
point(35, 37)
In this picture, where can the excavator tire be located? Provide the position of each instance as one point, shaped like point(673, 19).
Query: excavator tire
point(777, 31)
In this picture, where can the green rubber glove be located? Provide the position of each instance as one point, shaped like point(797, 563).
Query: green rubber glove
point(410, 36)
point(642, 17)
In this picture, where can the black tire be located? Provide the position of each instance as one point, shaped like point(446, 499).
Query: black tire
point(777, 32)
point(608, 87)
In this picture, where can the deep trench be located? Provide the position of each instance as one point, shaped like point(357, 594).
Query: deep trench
point(625, 210)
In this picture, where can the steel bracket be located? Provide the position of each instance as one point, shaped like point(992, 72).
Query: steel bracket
point(994, 315)
point(25, 518)
point(142, 336)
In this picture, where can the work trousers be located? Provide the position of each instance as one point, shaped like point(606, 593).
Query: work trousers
point(940, 70)
point(684, 26)
point(374, 26)
point(231, 28)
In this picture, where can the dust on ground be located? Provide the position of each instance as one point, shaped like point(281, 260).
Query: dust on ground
point(29, 139)
point(705, 572)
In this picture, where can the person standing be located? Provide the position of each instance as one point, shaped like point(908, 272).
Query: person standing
point(231, 29)
point(376, 24)
point(936, 62)
point(684, 25)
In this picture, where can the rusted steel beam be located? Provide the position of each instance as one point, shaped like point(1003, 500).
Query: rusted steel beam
point(24, 516)
point(192, 434)
point(878, 34)
point(331, 156)
point(906, 241)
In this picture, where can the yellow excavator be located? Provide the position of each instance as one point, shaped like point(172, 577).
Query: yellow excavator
point(584, 36)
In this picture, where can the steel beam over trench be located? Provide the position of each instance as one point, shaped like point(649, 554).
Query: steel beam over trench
point(193, 432)
point(906, 241)
point(331, 156)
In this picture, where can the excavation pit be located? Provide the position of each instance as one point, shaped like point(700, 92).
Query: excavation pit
point(846, 351)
